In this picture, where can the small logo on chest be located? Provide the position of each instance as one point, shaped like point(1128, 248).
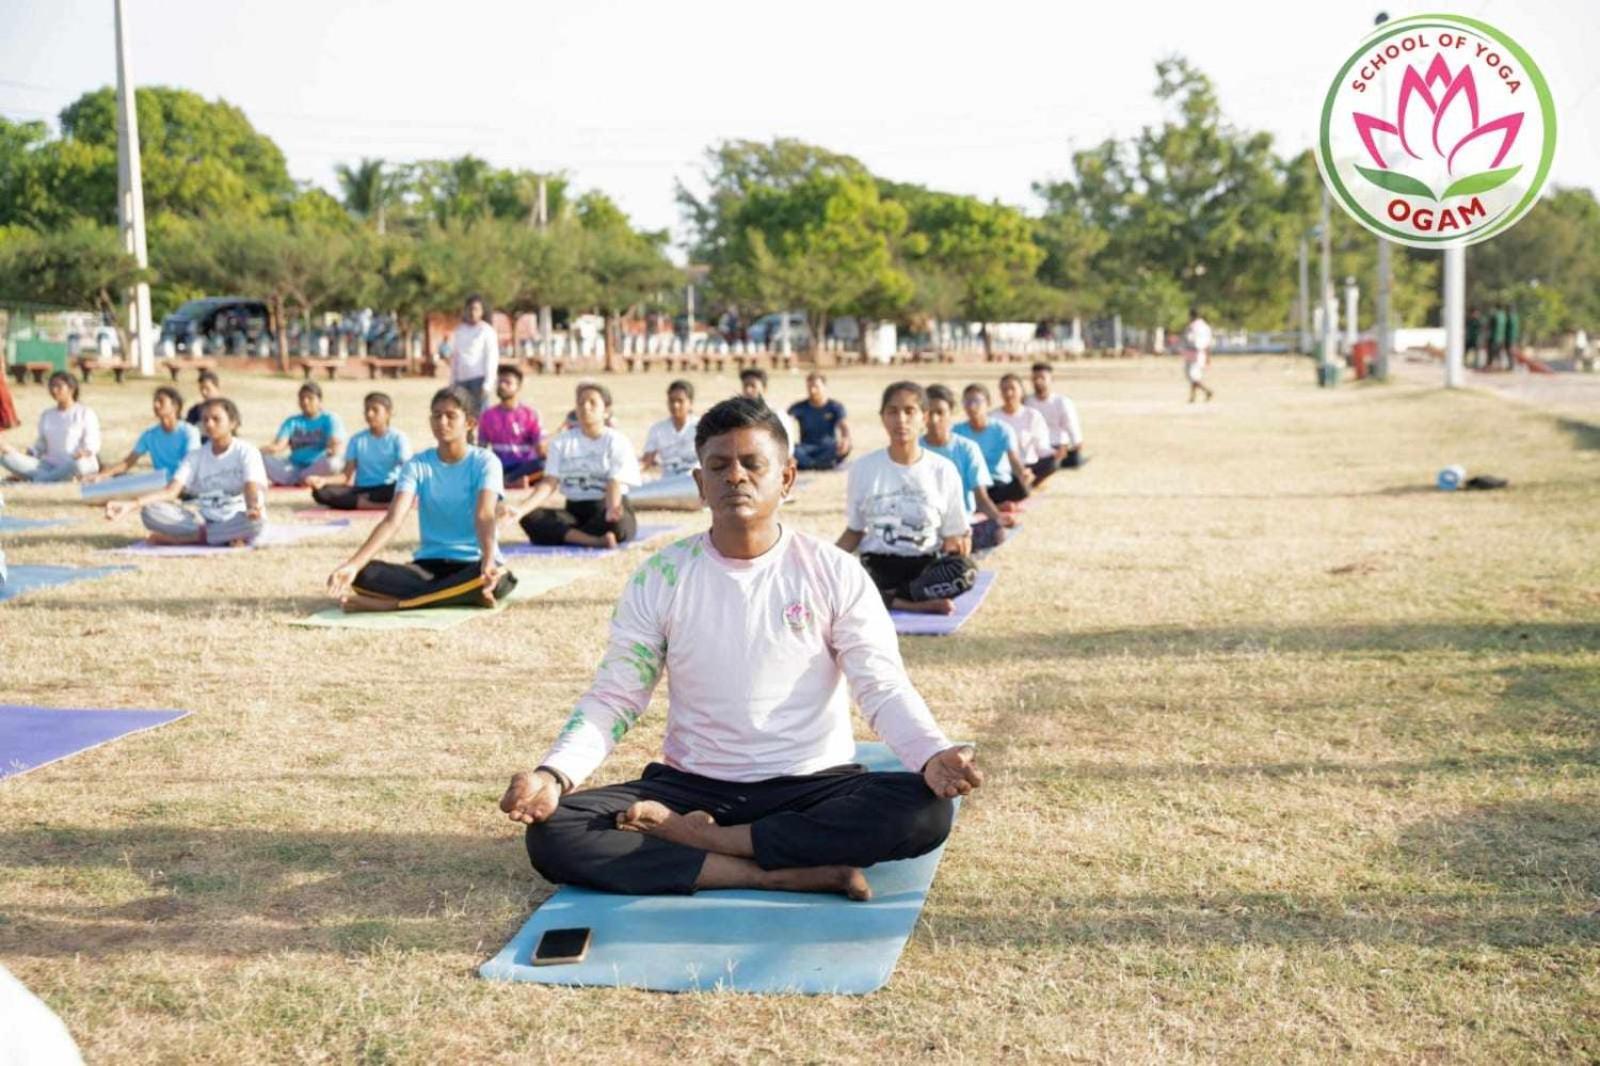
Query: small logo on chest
point(797, 616)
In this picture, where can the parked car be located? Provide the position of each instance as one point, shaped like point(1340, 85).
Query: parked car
point(768, 330)
point(227, 323)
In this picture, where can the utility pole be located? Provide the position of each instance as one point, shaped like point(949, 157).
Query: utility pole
point(541, 209)
point(1305, 298)
point(130, 206)
point(1454, 316)
point(1325, 282)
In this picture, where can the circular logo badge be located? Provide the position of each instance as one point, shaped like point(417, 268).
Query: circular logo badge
point(1438, 131)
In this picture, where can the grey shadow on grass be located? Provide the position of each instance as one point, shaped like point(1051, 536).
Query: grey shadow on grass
point(1585, 435)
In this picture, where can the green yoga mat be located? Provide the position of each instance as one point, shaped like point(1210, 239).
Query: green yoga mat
point(529, 586)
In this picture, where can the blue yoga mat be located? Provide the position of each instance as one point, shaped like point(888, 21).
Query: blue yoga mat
point(912, 624)
point(645, 534)
point(129, 485)
point(734, 940)
point(22, 579)
point(17, 525)
point(31, 737)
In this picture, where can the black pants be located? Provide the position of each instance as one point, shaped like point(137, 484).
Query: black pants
point(983, 535)
point(842, 816)
point(1013, 491)
point(352, 498)
point(1044, 466)
point(549, 525)
point(920, 577)
point(430, 583)
point(1074, 458)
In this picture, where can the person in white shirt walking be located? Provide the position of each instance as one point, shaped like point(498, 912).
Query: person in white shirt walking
point(475, 353)
point(1197, 341)
point(1060, 417)
point(766, 634)
point(69, 439)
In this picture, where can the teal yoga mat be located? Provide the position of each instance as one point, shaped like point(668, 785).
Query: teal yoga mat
point(734, 940)
point(21, 579)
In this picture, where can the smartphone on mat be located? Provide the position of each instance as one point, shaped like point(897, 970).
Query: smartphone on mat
point(559, 946)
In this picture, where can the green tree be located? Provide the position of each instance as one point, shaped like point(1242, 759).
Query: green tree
point(81, 266)
point(370, 189)
point(1547, 266)
point(622, 267)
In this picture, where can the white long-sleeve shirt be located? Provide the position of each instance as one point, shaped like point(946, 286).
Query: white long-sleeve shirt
point(1060, 417)
point(475, 353)
point(63, 433)
point(759, 651)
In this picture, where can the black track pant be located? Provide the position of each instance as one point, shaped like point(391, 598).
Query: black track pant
point(1044, 466)
point(351, 498)
point(1074, 457)
point(920, 577)
point(549, 525)
point(1013, 491)
point(842, 816)
point(430, 583)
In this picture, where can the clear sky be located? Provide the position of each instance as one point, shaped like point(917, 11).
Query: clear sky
point(977, 97)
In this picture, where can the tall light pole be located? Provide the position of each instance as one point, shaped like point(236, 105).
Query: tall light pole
point(1305, 299)
point(130, 205)
point(1384, 330)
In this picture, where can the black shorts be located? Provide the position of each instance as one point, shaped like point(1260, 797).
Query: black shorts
point(352, 498)
point(430, 583)
point(1013, 491)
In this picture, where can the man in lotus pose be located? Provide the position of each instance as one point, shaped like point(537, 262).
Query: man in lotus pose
point(759, 627)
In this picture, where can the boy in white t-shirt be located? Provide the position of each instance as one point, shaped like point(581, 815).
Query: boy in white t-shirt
point(593, 467)
point(906, 513)
point(1197, 341)
point(1060, 416)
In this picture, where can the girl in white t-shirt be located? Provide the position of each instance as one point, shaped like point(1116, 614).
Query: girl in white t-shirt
point(226, 477)
point(1033, 434)
point(593, 467)
point(69, 439)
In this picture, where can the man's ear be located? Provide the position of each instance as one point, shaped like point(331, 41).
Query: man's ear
point(790, 473)
point(700, 486)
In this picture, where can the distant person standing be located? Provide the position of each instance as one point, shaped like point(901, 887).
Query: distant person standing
point(475, 353)
point(1497, 335)
point(1513, 337)
point(1197, 341)
point(1475, 338)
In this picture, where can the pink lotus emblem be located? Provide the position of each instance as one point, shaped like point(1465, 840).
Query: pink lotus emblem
point(797, 616)
point(1438, 121)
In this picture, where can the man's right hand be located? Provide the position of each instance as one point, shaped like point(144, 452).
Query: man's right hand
point(531, 798)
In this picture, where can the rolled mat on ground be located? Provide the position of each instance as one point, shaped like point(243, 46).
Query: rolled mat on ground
point(530, 584)
point(19, 525)
point(914, 624)
point(645, 534)
point(272, 537)
point(678, 493)
point(736, 940)
point(22, 579)
point(125, 485)
point(31, 737)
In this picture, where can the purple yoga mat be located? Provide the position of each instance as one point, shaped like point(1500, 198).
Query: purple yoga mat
point(645, 534)
point(271, 537)
point(31, 737)
point(911, 624)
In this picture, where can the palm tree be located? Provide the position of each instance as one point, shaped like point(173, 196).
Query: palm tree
point(369, 188)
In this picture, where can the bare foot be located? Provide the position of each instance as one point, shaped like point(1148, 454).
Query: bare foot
point(846, 880)
point(609, 541)
point(939, 606)
point(657, 819)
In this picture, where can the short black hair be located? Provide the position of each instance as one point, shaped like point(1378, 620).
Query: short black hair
point(592, 386)
point(509, 370)
point(1008, 376)
point(753, 373)
point(980, 389)
point(1194, 312)
point(312, 387)
point(229, 408)
point(1043, 368)
point(380, 398)
point(816, 375)
point(210, 376)
point(71, 381)
point(172, 394)
point(941, 392)
point(459, 396)
point(739, 412)
point(904, 386)
point(682, 386)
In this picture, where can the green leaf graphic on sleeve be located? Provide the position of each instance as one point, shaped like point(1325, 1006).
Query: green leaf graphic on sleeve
point(575, 722)
point(1396, 182)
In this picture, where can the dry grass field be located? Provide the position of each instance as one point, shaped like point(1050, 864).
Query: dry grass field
point(1292, 759)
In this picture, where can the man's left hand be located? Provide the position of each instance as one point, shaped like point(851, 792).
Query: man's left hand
point(952, 773)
